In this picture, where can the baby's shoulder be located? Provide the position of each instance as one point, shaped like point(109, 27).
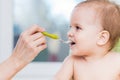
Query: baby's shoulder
point(116, 58)
point(116, 55)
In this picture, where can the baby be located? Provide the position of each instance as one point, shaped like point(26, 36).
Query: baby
point(94, 31)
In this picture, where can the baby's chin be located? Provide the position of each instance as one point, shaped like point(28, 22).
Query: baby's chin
point(76, 53)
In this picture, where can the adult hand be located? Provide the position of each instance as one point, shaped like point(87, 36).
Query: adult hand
point(30, 43)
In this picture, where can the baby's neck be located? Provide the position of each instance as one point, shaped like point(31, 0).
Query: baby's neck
point(96, 57)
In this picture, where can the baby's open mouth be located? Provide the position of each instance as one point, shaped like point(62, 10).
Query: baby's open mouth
point(72, 43)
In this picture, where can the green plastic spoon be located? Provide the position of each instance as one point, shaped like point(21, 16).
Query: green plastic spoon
point(53, 36)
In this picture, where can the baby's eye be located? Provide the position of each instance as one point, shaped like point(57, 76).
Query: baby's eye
point(77, 27)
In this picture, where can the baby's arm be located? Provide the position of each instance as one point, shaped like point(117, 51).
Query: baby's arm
point(66, 71)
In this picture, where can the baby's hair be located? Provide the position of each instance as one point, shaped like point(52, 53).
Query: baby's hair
point(110, 17)
point(96, 0)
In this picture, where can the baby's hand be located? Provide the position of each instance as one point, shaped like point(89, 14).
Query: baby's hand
point(30, 43)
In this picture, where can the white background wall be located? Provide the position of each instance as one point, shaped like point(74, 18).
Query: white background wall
point(6, 28)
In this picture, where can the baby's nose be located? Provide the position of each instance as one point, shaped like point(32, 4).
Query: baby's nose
point(70, 33)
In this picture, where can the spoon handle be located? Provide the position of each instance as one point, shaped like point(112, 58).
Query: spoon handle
point(53, 36)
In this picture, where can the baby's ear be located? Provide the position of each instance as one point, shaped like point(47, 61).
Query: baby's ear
point(103, 38)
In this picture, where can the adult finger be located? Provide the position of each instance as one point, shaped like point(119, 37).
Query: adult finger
point(34, 29)
point(39, 42)
point(36, 36)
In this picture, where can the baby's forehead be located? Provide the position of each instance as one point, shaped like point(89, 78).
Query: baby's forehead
point(95, 8)
point(83, 14)
point(98, 4)
point(85, 10)
point(90, 11)
point(92, 4)
point(86, 15)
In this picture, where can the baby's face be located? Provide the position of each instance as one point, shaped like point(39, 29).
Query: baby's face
point(84, 30)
